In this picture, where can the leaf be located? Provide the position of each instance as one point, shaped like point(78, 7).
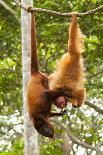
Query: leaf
point(94, 1)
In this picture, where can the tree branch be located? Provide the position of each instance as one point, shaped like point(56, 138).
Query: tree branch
point(5, 6)
point(94, 75)
point(94, 107)
point(75, 139)
point(54, 13)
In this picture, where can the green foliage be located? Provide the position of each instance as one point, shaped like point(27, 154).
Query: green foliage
point(10, 63)
point(17, 148)
point(53, 147)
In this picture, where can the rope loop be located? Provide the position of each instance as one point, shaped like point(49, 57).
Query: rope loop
point(29, 9)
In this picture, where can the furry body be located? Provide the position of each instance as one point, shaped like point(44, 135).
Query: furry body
point(69, 74)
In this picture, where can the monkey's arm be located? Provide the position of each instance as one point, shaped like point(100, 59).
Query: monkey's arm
point(53, 94)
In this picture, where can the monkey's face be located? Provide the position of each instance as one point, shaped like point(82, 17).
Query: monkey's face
point(60, 102)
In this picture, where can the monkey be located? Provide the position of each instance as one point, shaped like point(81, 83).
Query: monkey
point(39, 97)
point(70, 75)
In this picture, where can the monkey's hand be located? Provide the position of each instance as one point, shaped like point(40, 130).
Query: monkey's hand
point(63, 112)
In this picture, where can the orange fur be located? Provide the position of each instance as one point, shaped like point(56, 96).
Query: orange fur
point(69, 74)
point(34, 92)
point(38, 107)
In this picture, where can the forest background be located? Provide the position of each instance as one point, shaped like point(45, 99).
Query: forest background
point(85, 124)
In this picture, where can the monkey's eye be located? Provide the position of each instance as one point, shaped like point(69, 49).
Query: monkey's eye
point(45, 82)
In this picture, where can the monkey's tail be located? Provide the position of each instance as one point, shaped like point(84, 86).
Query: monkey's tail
point(34, 58)
point(75, 43)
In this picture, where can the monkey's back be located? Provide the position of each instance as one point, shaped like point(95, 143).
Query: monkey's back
point(69, 74)
point(35, 89)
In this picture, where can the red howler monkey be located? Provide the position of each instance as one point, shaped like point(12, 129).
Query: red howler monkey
point(39, 97)
point(69, 74)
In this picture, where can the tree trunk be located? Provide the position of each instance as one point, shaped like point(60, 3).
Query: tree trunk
point(30, 134)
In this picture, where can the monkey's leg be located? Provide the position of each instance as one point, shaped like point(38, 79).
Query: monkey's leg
point(43, 126)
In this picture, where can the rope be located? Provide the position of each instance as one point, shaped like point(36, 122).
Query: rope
point(54, 13)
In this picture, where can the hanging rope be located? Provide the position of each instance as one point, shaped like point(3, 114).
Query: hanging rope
point(54, 13)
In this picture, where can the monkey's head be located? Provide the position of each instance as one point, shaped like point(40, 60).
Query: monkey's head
point(46, 130)
point(61, 102)
point(44, 127)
